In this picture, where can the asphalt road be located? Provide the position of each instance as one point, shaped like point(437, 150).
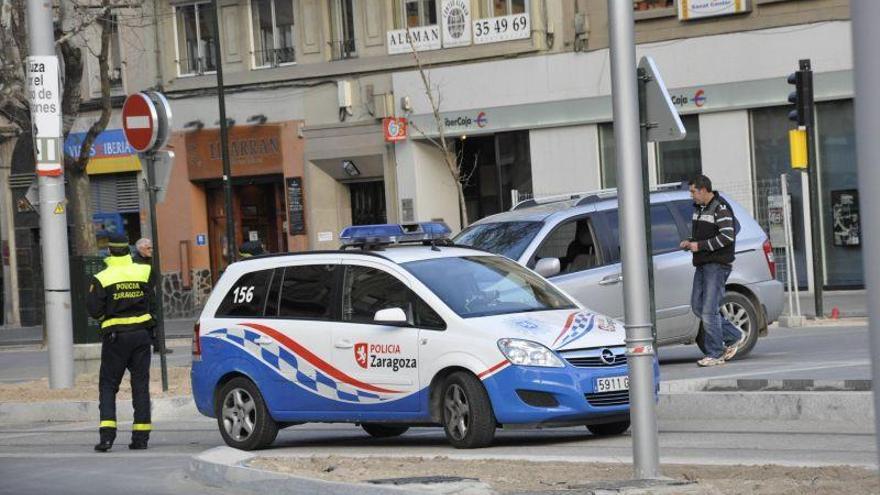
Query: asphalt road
point(817, 353)
point(58, 458)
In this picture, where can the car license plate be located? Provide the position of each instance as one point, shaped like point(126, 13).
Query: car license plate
point(612, 384)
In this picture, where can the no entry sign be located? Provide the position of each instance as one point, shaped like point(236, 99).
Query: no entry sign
point(146, 118)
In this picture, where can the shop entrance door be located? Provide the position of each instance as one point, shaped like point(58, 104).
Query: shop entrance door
point(258, 212)
point(368, 202)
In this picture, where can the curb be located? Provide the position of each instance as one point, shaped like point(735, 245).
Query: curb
point(55, 411)
point(225, 467)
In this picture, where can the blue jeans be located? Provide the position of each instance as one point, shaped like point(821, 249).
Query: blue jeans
point(709, 282)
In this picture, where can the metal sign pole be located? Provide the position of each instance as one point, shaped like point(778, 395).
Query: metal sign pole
point(150, 159)
point(231, 249)
point(639, 332)
point(866, 38)
point(43, 83)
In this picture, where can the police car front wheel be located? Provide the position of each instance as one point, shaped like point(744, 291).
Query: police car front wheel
point(242, 416)
point(467, 412)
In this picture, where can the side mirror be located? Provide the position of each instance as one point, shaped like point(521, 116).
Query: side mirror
point(548, 267)
point(391, 316)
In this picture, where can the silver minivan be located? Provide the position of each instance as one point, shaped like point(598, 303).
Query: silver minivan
point(574, 242)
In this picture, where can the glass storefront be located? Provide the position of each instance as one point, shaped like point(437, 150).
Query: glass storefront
point(771, 159)
point(839, 199)
point(493, 167)
point(679, 161)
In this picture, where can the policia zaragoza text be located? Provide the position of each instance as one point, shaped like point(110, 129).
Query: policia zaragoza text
point(121, 297)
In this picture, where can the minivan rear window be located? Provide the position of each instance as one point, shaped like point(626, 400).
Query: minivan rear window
point(505, 238)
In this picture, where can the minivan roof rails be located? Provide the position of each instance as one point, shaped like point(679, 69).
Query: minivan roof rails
point(588, 197)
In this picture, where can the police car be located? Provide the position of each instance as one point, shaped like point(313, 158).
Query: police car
point(401, 328)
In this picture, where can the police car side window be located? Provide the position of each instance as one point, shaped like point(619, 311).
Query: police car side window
point(247, 296)
point(367, 290)
point(307, 292)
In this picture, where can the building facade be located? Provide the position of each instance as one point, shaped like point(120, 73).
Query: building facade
point(522, 90)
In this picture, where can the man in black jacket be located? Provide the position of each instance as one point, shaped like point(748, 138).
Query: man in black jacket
point(121, 298)
point(713, 244)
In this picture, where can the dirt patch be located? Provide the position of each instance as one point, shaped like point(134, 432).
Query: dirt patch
point(86, 388)
point(508, 476)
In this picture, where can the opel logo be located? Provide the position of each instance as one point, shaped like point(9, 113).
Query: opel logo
point(607, 356)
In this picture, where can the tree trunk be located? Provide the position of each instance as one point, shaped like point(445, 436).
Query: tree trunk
point(462, 205)
point(84, 241)
point(11, 303)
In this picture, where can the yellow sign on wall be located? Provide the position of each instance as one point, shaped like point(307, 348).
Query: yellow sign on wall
point(797, 142)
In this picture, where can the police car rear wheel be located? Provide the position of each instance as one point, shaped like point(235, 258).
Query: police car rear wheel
point(608, 429)
point(384, 431)
point(467, 412)
point(242, 416)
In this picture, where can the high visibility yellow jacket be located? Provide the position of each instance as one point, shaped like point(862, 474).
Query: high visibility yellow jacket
point(121, 296)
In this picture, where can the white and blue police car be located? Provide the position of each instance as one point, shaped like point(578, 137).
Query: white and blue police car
point(401, 328)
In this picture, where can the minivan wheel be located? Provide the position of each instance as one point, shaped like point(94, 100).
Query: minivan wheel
point(739, 310)
point(609, 429)
point(384, 431)
point(243, 417)
point(467, 412)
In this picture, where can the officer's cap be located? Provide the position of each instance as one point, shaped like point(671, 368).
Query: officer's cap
point(118, 240)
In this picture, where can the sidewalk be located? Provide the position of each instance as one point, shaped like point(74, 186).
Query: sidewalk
point(15, 336)
point(850, 303)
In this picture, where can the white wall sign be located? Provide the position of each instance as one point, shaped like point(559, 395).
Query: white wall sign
point(456, 21)
point(698, 9)
point(421, 38)
point(325, 236)
point(45, 98)
point(506, 28)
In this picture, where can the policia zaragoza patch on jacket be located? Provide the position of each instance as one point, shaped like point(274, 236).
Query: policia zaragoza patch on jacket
point(121, 298)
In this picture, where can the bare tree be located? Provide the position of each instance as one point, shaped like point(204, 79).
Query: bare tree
point(77, 18)
point(452, 159)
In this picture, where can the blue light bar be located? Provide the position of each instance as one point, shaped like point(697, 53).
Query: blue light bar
point(392, 233)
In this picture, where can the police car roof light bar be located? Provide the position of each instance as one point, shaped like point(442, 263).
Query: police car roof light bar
point(377, 236)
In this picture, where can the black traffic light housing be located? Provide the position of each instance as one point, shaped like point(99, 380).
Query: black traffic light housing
point(802, 96)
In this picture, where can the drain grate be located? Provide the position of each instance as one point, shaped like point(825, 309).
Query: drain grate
point(420, 480)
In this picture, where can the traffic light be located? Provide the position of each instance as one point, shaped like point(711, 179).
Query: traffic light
point(802, 96)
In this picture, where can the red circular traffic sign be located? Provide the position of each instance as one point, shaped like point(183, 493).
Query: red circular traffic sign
point(139, 122)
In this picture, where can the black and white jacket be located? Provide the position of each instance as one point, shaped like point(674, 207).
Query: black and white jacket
point(714, 230)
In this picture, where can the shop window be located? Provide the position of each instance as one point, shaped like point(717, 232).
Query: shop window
point(247, 296)
point(194, 24)
point(495, 169)
point(680, 161)
point(498, 8)
point(608, 155)
point(771, 159)
point(342, 29)
point(839, 195)
point(307, 292)
point(652, 9)
point(418, 13)
point(272, 26)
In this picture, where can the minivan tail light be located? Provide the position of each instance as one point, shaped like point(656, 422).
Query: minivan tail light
point(771, 261)
point(196, 343)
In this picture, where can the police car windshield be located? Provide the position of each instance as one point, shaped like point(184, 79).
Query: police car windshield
point(505, 238)
point(487, 285)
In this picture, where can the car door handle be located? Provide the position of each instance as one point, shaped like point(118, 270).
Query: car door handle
point(612, 279)
point(343, 344)
point(264, 340)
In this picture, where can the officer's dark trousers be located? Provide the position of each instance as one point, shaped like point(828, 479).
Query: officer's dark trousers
point(127, 350)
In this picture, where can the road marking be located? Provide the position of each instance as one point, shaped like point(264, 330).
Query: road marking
point(749, 374)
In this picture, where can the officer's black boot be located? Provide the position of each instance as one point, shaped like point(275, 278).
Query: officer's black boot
point(139, 440)
point(107, 437)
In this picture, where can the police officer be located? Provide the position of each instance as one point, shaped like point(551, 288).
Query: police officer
point(250, 248)
point(121, 298)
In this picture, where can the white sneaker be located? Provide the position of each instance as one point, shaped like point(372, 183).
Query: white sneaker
point(710, 361)
point(730, 351)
